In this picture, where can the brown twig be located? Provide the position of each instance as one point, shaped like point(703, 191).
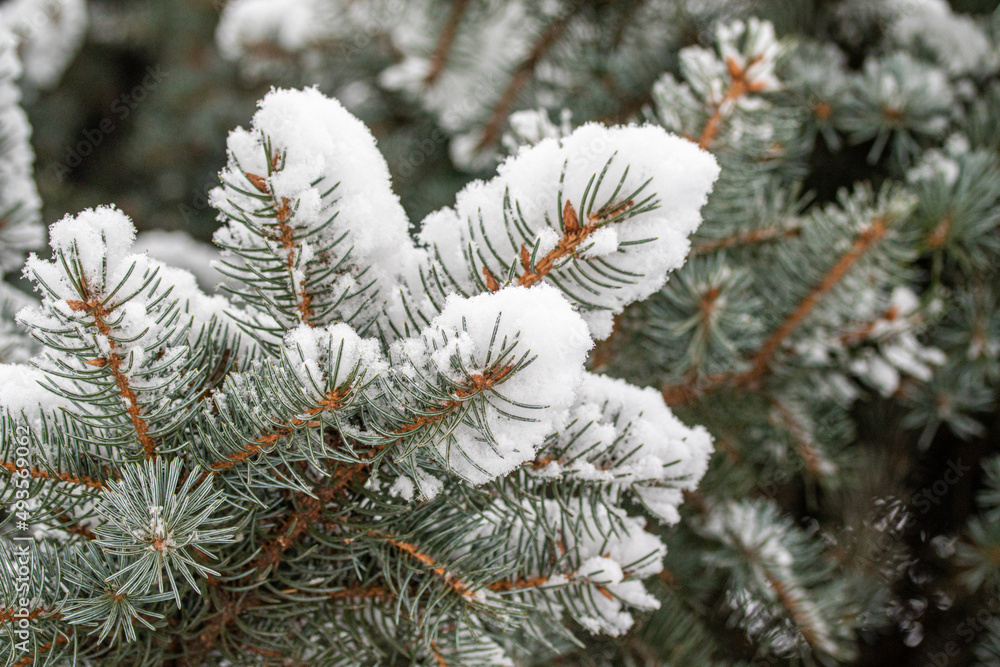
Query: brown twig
point(453, 582)
point(38, 473)
point(75, 528)
point(738, 87)
point(811, 457)
point(480, 382)
point(522, 75)
point(331, 401)
point(763, 235)
point(939, 235)
point(573, 235)
point(762, 359)
point(794, 608)
point(866, 239)
point(96, 309)
point(445, 40)
point(26, 660)
point(285, 236)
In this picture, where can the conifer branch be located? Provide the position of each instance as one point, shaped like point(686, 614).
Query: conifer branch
point(939, 235)
point(360, 593)
point(8, 614)
point(75, 528)
point(738, 87)
point(436, 652)
point(480, 383)
point(331, 401)
point(794, 609)
point(29, 659)
point(521, 76)
point(864, 242)
point(574, 234)
point(752, 237)
point(864, 331)
point(439, 57)
point(297, 523)
point(286, 237)
point(96, 309)
point(38, 473)
point(761, 360)
point(812, 458)
point(453, 582)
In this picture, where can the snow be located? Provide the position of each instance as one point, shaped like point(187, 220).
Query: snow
point(756, 57)
point(429, 485)
point(322, 146)
point(180, 249)
point(49, 33)
point(935, 164)
point(467, 338)
point(958, 42)
point(626, 437)
point(270, 38)
point(291, 25)
point(750, 47)
point(18, 193)
point(541, 178)
point(531, 126)
point(150, 307)
point(901, 82)
point(402, 488)
point(326, 358)
point(21, 392)
point(606, 551)
point(494, 39)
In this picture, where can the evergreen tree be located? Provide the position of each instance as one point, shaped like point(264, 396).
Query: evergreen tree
point(697, 373)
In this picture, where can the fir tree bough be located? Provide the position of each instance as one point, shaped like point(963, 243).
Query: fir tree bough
point(346, 449)
point(702, 370)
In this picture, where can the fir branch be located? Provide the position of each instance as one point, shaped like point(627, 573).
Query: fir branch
point(523, 74)
point(739, 86)
point(862, 244)
point(453, 582)
point(751, 237)
point(795, 611)
point(436, 653)
point(230, 610)
point(939, 235)
point(573, 235)
point(446, 38)
point(480, 383)
point(297, 523)
point(75, 528)
point(61, 638)
point(333, 400)
point(38, 473)
point(762, 359)
point(285, 236)
point(39, 612)
point(359, 593)
point(96, 309)
point(805, 445)
point(864, 331)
